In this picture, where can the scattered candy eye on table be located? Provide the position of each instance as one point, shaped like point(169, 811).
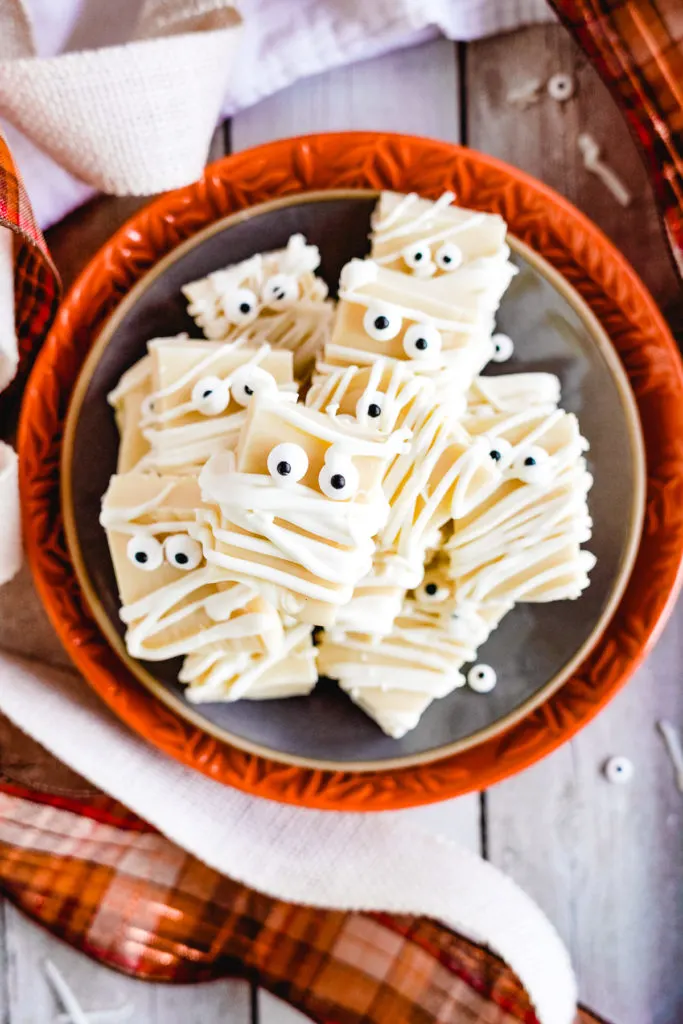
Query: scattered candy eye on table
point(619, 770)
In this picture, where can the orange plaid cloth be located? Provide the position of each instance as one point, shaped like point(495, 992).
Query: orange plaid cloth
point(36, 281)
point(637, 46)
point(107, 883)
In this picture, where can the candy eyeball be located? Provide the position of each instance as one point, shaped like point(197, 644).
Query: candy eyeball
point(251, 380)
point(418, 257)
point(287, 463)
point(498, 449)
point(145, 552)
point(280, 291)
point(240, 306)
point(431, 592)
point(448, 257)
point(182, 552)
point(381, 323)
point(339, 478)
point(370, 406)
point(482, 678)
point(503, 347)
point(619, 770)
point(422, 341)
point(211, 396)
point(533, 466)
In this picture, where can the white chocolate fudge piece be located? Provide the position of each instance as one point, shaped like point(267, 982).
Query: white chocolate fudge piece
point(522, 540)
point(431, 471)
point(299, 505)
point(173, 603)
point(383, 313)
point(378, 597)
point(126, 399)
point(431, 476)
point(395, 679)
point(273, 297)
point(454, 251)
point(200, 391)
point(382, 397)
point(224, 674)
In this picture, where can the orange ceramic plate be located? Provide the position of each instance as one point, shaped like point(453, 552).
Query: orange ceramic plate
point(540, 218)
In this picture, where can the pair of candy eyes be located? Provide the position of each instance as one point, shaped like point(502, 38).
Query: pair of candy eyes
point(211, 395)
point(420, 341)
point(242, 305)
point(530, 467)
point(179, 550)
point(338, 479)
point(448, 257)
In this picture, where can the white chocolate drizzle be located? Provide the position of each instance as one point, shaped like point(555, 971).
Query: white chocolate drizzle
point(228, 675)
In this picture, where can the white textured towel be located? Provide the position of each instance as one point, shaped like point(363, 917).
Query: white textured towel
point(138, 118)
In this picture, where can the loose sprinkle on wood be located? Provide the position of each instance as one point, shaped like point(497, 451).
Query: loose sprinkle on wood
point(592, 161)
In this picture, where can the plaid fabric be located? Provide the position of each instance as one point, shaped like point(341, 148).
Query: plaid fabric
point(107, 883)
point(36, 281)
point(637, 46)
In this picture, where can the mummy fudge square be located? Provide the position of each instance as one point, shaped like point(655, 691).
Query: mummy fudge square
point(383, 313)
point(395, 679)
point(452, 250)
point(174, 604)
point(222, 673)
point(200, 391)
point(431, 477)
point(523, 540)
point(384, 397)
point(172, 601)
point(274, 297)
point(299, 505)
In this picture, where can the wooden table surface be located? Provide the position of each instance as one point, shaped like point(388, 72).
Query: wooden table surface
point(605, 862)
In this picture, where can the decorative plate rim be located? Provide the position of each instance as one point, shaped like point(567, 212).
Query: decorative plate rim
point(175, 702)
point(550, 225)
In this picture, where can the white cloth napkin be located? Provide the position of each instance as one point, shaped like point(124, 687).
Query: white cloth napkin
point(324, 859)
point(139, 118)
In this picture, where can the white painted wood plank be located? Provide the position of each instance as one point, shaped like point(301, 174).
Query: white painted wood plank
point(31, 1001)
point(414, 91)
point(542, 139)
point(606, 861)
